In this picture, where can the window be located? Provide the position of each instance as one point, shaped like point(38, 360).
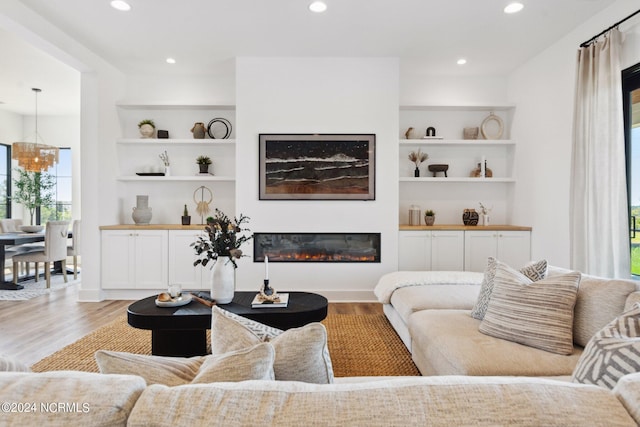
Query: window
point(631, 101)
point(61, 210)
point(5, 181)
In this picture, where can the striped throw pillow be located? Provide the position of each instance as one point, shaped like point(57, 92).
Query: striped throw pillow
point(611, 353)
point(537, 314)
point(534, 271)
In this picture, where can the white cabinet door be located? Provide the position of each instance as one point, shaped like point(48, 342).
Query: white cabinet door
point(514, 247)
point(447, 250)
point(151, 259)
point(510, 247)
point(134, 259)
point(181, 258)
point(478, 246)
point(118, 247)
point(414, 250)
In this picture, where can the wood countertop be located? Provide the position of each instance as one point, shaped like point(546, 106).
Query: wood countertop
point(497, 227)
point(153, 227)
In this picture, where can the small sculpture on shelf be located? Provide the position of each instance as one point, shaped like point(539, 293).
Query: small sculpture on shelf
point(417, 159)
point(435, 168)
point(147, 128)
point(481, 172)
point(409, 133)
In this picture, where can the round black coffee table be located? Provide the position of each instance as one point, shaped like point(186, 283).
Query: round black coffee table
point(181, 331)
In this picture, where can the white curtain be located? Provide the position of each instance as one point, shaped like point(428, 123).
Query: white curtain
point(598, 208)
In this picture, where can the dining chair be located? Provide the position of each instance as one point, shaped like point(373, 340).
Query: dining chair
point(55, 249)
point(12, 225)
point(74, 249)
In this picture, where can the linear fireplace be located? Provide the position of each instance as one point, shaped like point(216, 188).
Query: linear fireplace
point(317, 247)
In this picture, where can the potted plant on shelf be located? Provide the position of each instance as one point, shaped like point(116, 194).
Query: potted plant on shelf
point(203, 163)
point(33, 190)
point(429, 217)
point(147, 128)
point(417, 159)
point(186, 218)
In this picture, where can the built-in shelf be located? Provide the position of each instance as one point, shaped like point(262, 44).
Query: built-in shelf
point(463, 142)
point(177, 178)
point(174, 141)
point(455, 179)
point(466, 107)
point(127, 106)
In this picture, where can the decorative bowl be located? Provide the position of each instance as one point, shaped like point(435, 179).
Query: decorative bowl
point(32, 228)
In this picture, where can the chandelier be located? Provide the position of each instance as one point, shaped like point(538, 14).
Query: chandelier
point(33, 156)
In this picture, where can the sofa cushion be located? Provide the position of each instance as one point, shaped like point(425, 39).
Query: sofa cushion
point(169, 371)
point(538, 314)
point(632, 299)
point(599, 302)
point(410, 299)
point(612, 353)
point(418, 401)
point(10, 364)
point(87, 398)
point(253, 363)
point(627, 390)
point(301, 354)
point(448, 342)
point(534, 271)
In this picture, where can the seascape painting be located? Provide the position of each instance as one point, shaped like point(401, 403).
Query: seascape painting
point(317, 166)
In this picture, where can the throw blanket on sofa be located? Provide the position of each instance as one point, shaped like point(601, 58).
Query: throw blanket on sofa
point(399, 279)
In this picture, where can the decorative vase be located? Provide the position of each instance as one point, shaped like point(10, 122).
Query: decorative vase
point(486, 220)
point(167, 171)
point(429, 219)
point(186, 220)
point(198, 130)
point(470, 217)
point(204, 168)
point(146, 130)
point(416, 173)
point(141, 212)
point(223, 280)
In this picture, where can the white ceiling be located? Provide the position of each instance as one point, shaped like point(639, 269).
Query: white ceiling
point(199, 34)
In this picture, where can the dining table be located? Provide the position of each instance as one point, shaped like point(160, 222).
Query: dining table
point(15, 239)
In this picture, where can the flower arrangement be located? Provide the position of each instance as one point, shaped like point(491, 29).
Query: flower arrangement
point(223, 239)
point(418, 157)
point(484, 210)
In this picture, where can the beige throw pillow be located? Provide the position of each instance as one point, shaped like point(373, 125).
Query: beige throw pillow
point(253, 363)
point(534, 271)
point(537, 314)
point(302, 354)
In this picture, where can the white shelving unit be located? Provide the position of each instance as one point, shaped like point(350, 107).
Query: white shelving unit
point(450, 195)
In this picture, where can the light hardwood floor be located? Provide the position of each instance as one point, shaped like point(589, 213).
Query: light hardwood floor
point(31, 330)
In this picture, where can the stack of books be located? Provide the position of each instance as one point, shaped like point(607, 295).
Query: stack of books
point(258, 302)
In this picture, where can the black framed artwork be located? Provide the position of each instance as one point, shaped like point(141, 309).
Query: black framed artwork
point(317, 166)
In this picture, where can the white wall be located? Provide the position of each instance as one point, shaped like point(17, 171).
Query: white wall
point(543, 91)
point(327, 95)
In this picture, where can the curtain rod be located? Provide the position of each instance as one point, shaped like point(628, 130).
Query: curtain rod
point(585, 44)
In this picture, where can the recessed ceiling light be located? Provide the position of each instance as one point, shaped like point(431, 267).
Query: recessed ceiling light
point(513, 7)
point(171, 61)
point(120, 5)
point(318, 6)
point(461, 61)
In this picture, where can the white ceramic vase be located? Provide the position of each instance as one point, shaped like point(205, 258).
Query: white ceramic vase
point(223, 280)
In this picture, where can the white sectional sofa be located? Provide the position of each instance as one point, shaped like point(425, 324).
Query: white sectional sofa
point(431, 312)
point(68, 398)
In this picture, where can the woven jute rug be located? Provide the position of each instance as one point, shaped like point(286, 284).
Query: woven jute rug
point(359, 345)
